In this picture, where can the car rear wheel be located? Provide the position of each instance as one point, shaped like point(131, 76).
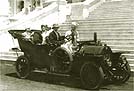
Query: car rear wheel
point(91, 76)
point(22, 67)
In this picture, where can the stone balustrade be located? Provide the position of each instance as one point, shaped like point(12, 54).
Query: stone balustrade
point(81, 10)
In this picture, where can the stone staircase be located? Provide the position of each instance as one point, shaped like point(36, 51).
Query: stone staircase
point(10, 56)
point(114, 24)
point(112, 21)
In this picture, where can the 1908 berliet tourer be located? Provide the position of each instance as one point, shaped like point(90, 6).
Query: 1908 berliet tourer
point(92, 63)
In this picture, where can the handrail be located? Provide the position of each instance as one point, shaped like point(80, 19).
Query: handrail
point(86, 7)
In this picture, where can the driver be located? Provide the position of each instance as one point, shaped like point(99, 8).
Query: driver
point(72, 36)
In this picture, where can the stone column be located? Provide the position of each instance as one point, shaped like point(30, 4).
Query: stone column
point(26, 6)
point(15, 7)
point(33, 4)
point(41, 3)
point(11, 5)
point(62, 10)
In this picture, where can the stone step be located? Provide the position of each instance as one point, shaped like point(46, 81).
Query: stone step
point(99, 36)
point(104, 20)
point(117, 35)
point(124, 11)
point(110, 12)
point(106, 39)
point(8, 58)
point(101, 22)
point(109, 32)
point(121, 2)
point(111, 29)
point(113, 7)
point(106, 32)
point(118, 4)
point(101, 26)
point(85, 38)
point(11, 53)
point(115, 42)
point(88, 37)
point(131, 67)
point(130, 61)
point(104, 35)
point(129, 47)
point(108, 17)
point(126, 50)
point(130, 36)
point(130, 56)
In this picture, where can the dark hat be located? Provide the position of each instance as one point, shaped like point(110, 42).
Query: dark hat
point(55, 26)
point(44, 26)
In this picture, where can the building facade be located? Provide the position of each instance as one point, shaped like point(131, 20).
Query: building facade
point(19, 5)
point(16, 6)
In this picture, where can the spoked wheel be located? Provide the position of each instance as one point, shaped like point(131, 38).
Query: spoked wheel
point(122, 72)
point(107, 60)
point(107, 56)
point(91, 76)
point(62, 60)
point(22, 67)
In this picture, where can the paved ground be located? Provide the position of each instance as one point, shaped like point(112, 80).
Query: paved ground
point(45, 82)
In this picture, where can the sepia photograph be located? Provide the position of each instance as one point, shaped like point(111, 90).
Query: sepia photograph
point(67, 45)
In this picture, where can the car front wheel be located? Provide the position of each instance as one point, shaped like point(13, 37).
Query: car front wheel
point(91, 76)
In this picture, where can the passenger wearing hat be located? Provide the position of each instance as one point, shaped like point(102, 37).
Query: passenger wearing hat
point(27, 34)
point(54, 36)
point(45, 33)
point(72, 36)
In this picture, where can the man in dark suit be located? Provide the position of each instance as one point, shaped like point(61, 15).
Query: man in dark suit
point(54, 36)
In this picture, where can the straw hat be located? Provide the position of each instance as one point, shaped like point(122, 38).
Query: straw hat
point(74, 24)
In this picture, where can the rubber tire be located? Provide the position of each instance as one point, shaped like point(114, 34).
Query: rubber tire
point(88, 71)
point(69, 57)
point(24, 63)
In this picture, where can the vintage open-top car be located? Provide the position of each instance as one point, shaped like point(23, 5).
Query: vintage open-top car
point(93, 62)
